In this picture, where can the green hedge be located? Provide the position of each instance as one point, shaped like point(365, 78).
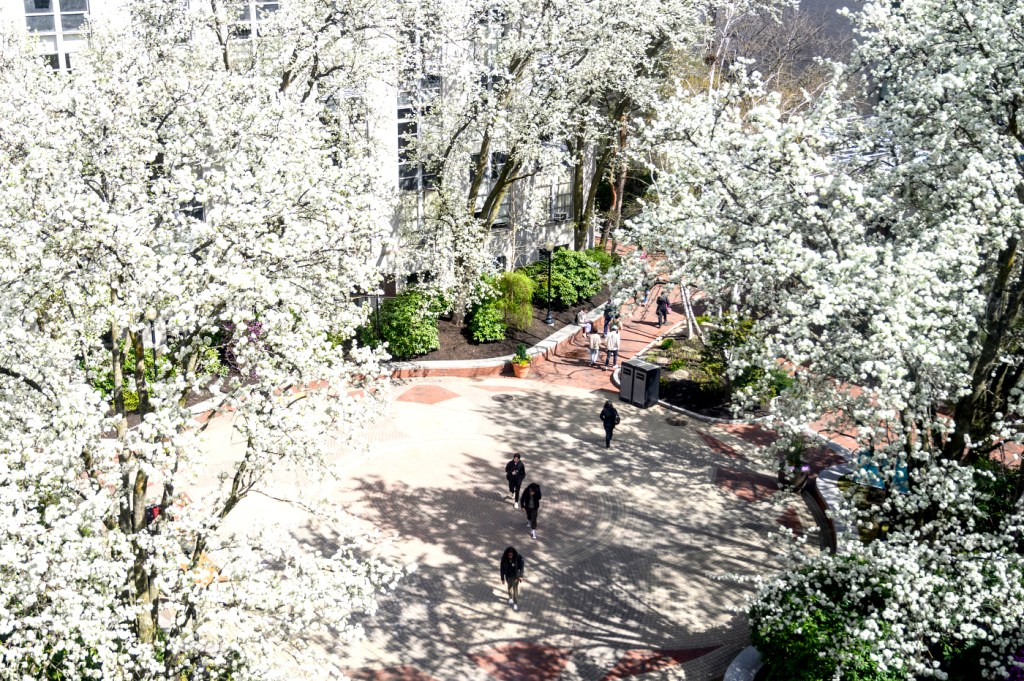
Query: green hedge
point(805, 649)
point(408, 323)
point(605, 260)
point(573, 278)
point(487, 322)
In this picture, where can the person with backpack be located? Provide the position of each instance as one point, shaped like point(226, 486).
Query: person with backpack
point(515, 472)
point(609, 314)
point(531, 504)
point(610, 419)
point(512, 567)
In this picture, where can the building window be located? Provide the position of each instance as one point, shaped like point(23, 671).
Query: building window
point(250, 13)
point(561, 201)
point(414, 103)
point(413, 175)
point(60, 26)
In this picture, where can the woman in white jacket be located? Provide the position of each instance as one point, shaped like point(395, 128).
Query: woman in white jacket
point(594, 346)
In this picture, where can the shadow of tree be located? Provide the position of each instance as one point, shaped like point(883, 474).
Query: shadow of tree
point(635, 548)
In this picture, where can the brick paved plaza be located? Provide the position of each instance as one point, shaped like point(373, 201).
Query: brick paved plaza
point(634, 572)
point(629, 575)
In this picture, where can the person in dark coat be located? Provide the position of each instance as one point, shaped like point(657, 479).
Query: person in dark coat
point(662, 309)
point(609, 314)
point(515, 472)
point(610, 419)
point(512, 568)
point(531, 504)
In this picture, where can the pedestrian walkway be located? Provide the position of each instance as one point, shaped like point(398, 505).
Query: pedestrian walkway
point(640, 554)
point(644, 554)
point(570, 364)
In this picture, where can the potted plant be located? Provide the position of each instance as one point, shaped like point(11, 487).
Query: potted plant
point(521, 362)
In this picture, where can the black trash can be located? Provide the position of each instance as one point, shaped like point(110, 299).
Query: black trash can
point(639, 382)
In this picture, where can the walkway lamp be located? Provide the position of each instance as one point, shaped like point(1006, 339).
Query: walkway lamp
point(549, 251)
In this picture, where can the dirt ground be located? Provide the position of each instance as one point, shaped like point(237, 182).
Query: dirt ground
point(456, 343)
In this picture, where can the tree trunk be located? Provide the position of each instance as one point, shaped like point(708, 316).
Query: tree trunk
point(619, 186)
point(578, 171)
point(974, 412)
point(583, 226)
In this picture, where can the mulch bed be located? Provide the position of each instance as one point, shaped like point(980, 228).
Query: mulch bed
point(456, 343)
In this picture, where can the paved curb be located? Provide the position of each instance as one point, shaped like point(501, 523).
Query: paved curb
point(493, 366)
point(745, 666)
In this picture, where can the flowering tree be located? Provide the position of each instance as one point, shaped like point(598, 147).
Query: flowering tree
point(107, 173)
point(509, 95)
point(879, 252)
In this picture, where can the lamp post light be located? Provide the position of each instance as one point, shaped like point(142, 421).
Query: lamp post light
point(549, 250)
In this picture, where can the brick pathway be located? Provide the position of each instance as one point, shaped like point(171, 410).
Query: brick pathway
point(571, 364)
point(636, 570)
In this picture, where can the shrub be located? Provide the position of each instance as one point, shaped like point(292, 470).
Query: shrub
point(714, 357)
point(803, 648)
point(408, 325)
point(605, 260)
point(667, 343)
point(487, 322)
point(573, 279)
point(516, 299)
point(780, 382)
point(676, 364)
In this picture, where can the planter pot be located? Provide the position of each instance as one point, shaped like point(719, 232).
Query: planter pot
point(521, 370)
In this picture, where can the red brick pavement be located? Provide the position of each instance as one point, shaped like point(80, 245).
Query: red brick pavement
point(570, 364)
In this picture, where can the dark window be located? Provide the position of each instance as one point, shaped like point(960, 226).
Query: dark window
point(52, 60)
point(72, 22)
point(40, 23)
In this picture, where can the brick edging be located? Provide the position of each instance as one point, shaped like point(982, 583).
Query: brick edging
point(494, 366)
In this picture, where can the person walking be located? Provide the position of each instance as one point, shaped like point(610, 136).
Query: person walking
point(662, 308)
point(515, 471)
point(610, 419)
point(531, 504)
point(512, 568)
point(594, 346)
point(609, 313)
point(611, 345)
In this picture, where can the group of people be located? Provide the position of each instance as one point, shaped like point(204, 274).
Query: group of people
point(513, 565)
point(612, 339)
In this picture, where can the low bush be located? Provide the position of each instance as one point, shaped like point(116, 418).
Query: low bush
point(487, 322)
point(676, 364)
point(803, 648)
point(605, 260)
point(667, 343)
point(103, 378)
point(408, 324)
point(573, 278)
